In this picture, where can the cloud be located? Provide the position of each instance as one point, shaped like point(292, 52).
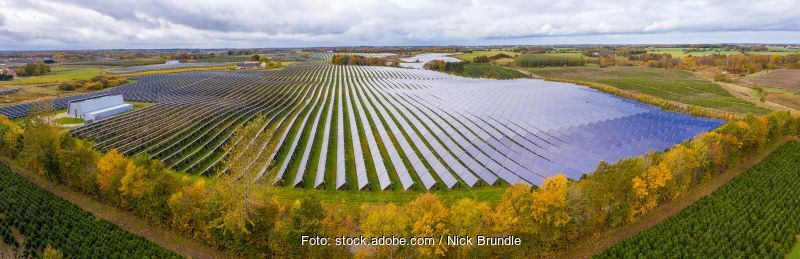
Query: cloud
point(70, 24)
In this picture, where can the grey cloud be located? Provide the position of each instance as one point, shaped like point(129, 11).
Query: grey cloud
point(232, 23)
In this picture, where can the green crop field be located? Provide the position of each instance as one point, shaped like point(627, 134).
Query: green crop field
point(32, 219)
point(488, 53)
point(61, 74)
point(482, 69)
point(756, 215)
point(670, 84)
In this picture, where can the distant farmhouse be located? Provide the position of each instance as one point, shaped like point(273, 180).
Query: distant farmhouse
point(97, 108)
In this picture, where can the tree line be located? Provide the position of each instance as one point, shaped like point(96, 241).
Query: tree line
point(487, 59)
point(235, 214)
point(358, 60)
point(445, 66)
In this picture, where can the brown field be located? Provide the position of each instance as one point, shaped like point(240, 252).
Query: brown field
point(788, 79)
point(785, 99)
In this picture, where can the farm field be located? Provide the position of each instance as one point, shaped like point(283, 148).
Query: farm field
point(482, 70)
point(32, 219)
point(669, 84)
point(400, 129)
point(757, 214)
point(136, 69)
point(60, 74)
point(678, 52)
point(488, 53)
point(122, 62)
point(787, 79)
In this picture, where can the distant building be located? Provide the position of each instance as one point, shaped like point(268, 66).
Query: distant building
point(97, 108)
point(173, 62)
point(250, 65)
point(11, 72)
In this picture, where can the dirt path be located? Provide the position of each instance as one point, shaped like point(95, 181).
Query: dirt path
point(746, 93)
point(595, 245)
point(124, 219)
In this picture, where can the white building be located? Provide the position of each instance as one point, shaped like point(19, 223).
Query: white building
point(97, 108)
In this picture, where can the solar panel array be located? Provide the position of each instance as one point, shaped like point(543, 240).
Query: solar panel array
point(9, 91)
point(380, 127)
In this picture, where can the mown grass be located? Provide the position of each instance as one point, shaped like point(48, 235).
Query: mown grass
point(483, 69)
point(795, 252)
point(60, 74)
point(68, 120)
point(669, 84)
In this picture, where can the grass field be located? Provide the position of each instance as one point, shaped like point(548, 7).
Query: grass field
point(176, 70)
point(482, 69)
point(68, 120)
point(123, 62)
point(795, 252)
point(488, 53)
point(670, 84)
point(61, 74)
point(755, 215)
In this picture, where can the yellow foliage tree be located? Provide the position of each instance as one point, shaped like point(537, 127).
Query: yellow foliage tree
point(682, 163)
point(513, 208)
point(187, 207)
point(137, 182)
point(549, 206)
point(428, 218)
point(384, 220)
point(469, 218)
point(110, 169)
point(647, 188)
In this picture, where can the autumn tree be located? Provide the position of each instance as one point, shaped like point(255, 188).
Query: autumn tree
point(40, 144)
point(110, 169)
point(77, 162)
point(384, 220)
point(428, 217)
point(469, 218)
point(550, 208)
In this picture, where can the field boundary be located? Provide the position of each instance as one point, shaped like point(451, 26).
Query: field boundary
point(125, 220)
point(591, 246)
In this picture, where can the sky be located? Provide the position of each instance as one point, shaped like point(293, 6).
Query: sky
point(111, 24)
